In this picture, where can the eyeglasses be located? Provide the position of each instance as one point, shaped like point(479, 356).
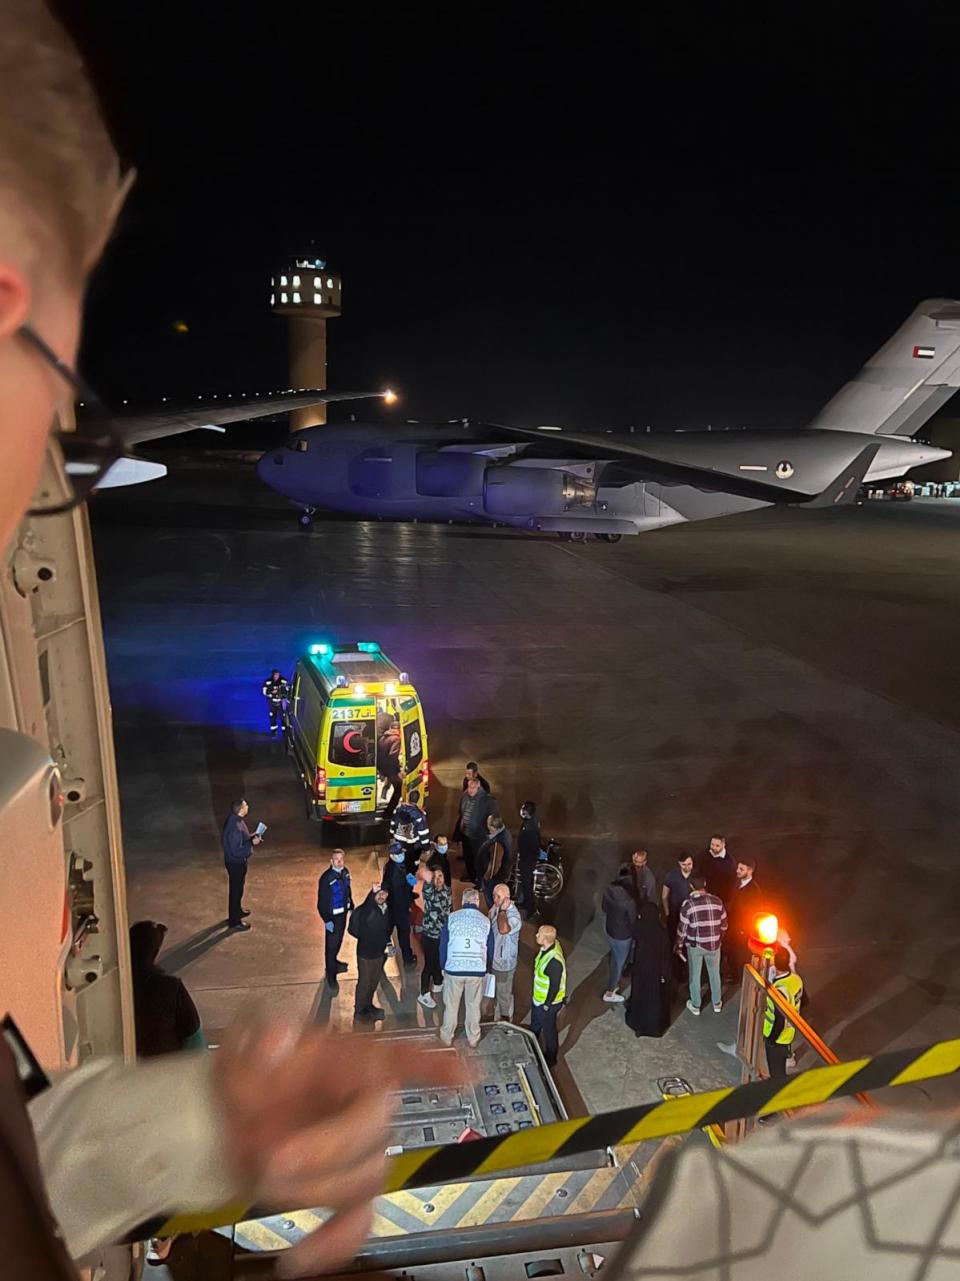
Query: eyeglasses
point(88, 453)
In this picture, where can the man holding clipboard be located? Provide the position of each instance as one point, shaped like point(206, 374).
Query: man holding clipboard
point(238, 845)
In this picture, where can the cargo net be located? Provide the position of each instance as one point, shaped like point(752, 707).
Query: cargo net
point(810, 1199)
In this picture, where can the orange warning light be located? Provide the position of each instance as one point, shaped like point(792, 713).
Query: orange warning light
point(390, 397)
point(766, 927)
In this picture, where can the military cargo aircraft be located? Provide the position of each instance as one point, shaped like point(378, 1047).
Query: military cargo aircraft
point(576, 484)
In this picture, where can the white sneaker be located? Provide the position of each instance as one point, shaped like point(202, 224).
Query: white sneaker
point(718, 1007)
point(427, 1001)
point(613, 997)
point(694, 1009)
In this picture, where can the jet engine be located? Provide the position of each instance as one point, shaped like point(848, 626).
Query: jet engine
point(534, 491)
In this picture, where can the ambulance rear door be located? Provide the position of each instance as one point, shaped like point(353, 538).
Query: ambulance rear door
point(415, 765)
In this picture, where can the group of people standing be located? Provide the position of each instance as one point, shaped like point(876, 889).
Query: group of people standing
point(698, 924)
point(470, 953)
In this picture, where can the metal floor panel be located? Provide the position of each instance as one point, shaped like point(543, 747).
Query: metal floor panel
point(508, 1086)
point(455, 1206)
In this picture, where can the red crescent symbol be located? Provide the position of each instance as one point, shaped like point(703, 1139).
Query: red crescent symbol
point(346, 742)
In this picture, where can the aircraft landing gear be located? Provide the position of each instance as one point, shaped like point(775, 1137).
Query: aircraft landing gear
point(578, 536)
point(306, 518)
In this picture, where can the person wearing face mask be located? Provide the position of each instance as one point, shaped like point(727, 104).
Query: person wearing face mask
point(409, 828)
point(399, 884)
point(440, 856)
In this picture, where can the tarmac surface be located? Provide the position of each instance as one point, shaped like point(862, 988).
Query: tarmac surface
point(787, 678)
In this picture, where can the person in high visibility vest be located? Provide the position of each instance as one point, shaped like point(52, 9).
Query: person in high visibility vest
point(549, 992)
point(778, 1031)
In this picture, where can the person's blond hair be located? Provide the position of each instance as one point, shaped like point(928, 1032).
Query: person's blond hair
point(60, 179)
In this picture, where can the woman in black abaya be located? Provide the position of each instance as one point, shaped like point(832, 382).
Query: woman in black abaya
point(648, 1006)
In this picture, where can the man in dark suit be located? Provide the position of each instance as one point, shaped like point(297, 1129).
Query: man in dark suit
point(237, 847)
point(746, 900)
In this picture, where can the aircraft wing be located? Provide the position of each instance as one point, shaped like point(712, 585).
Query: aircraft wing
point(770, 467)
point(138, 428)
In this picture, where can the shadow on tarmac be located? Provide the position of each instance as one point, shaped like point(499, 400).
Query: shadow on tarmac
point(191, 949)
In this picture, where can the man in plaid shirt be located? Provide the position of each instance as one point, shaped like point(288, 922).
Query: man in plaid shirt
point(703, 923)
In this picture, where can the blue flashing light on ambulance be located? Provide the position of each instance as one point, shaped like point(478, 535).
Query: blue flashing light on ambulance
point(355, 728)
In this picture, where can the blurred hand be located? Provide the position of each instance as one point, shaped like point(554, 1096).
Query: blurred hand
point(305, 1130)
point(256, 839)
point(425, 873)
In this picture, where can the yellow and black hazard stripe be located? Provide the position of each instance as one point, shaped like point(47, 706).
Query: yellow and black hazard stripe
point(429, 1167)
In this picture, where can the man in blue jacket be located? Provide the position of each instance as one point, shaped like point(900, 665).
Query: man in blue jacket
point(334, 901)
point(237, 847)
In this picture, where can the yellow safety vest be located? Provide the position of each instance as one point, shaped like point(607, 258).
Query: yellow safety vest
point(541, 982)
point(790, 986)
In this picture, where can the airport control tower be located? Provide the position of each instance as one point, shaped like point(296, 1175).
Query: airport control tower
point(308, 294)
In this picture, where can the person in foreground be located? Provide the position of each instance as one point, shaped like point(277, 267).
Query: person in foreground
point(265, 1119)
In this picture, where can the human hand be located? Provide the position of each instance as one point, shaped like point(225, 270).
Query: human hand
point(328, 926)
point(411, 879)
point(303, 1132)
point(256, 839)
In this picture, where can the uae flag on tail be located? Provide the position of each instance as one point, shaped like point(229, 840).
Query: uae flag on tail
point(924, 353)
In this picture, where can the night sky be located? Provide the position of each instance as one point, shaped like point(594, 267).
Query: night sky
point(673, 218)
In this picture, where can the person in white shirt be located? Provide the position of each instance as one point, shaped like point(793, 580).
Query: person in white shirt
point(463, 958)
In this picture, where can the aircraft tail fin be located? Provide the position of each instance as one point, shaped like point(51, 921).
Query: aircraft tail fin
point(907, 381)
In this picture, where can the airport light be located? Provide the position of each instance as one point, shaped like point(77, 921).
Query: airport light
point(390, 397)
point(766, 928)
point(763, 936)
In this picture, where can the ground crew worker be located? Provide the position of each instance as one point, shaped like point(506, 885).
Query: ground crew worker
point(549, 992)
point(778, 1031)
point(276, 691)
point(334, 902)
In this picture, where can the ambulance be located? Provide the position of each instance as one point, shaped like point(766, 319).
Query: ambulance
point(354, 727)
